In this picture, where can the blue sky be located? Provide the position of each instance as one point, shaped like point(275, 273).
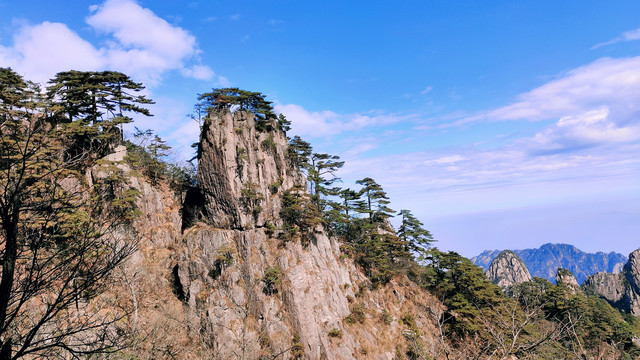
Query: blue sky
point(500, 124)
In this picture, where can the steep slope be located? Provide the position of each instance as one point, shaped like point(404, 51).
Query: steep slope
point(622, 290)
point(544, 261)
point(507, 269)
point(224, 284)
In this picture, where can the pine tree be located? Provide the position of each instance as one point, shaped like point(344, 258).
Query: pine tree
point(283, 124)
point(254, 102)
point(299, 152)
point(416, 238)
point(55, 242)
point(321, 174)
point(376, 200)
point(96, 103)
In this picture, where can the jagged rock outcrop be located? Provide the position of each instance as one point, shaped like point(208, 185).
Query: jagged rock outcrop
point(241, 171)
point(610, 286)
point(565, 278)
point(632, 273)
point(225, 286)
point(507, 269)
point(622, 290)
point(544, 261)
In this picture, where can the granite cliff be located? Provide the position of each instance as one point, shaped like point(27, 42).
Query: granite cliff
point(213, 280)
point(622, 289)
point(507, 269)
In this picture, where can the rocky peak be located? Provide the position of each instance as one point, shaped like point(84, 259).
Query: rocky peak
point(242, 170)
point(545, 260)
point(632, 270)
point(507, 269)
point(248, 291)
point(608, 285)
point(565, 278)
point(632, 273)
point(622, 290)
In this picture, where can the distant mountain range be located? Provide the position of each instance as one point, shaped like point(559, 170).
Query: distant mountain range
point(544, 261)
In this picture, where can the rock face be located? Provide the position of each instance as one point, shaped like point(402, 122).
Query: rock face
point(241, 171)
point(507, 269)
point(632, 273)
point(223, 285)
point(608, 285)
point(622, 290)
point(544, 261)
point(565, 278)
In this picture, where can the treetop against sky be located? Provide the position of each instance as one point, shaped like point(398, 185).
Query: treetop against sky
point(502, 124)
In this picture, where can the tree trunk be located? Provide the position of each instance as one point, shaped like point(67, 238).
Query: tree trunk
point(8, 267)
point(5, 350)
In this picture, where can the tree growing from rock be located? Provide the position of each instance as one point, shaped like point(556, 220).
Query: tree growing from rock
point(376, 200)
point(254, 102)
point(416, 238)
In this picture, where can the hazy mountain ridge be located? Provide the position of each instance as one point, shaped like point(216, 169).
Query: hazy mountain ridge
point(544, 261)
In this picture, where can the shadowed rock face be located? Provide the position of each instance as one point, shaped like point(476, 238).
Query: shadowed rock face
point(507, 269)
point(622, 290)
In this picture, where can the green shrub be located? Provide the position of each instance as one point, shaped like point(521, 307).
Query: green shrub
point(336, 333)
point(250, 199)
point(357, 312)
point(297, 349)
point(269, 145)
point(300, 215)
point(272, 280)
point(386, 317)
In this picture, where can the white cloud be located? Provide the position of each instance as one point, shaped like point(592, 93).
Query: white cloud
point(590, 150)
point(626, 36)
point(145, 44)
point(42, 50)
point(448, 182)
point(313, 124)
point(610, 83)
point(585, 130)
point(449, 159)
point(199, 72)
point(136, 42)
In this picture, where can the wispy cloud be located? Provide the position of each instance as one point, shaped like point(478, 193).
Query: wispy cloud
point(589, 146)
point(607, 83)
point(313, 124)
point(630, 35)
point(136, 41)
point(467, 180)
point(611, 83)
point(593, 128)
point(426, 90)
